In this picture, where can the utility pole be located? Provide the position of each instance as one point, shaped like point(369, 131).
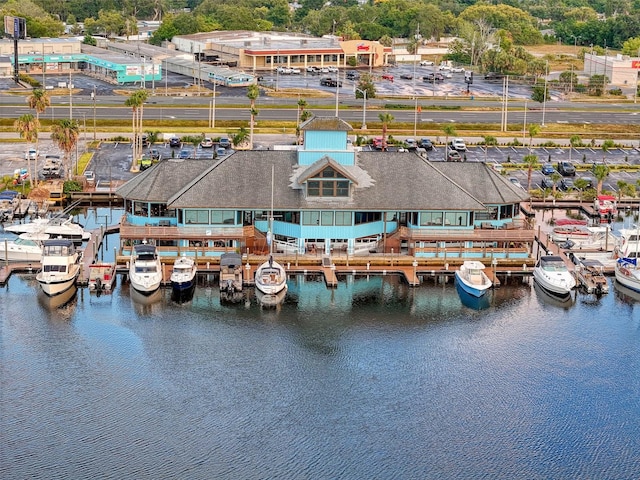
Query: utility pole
point(93, 97)
point(544, 94)
point(70, 95)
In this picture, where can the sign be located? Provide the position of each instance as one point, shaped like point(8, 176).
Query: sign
point(635, 63)
point(361, 47)
point(15, 27)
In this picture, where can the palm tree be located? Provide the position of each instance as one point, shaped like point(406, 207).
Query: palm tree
point(136, 101)
point(606, 146)
point(532, 162)
point(386, 119)
point(253, 92)
point(65, 134)
point(27, 126)
point(39, 100)
point(449, 131)
point(239, 137)
point(600, 172)
point(302, 103)
point(534, 129)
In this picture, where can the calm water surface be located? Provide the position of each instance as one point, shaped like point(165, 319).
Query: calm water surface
point(370, 380)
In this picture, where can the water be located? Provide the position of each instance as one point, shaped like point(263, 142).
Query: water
point(370, 380)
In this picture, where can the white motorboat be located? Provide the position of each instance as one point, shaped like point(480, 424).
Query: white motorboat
point(56, 227)
point(472, 278)
point(26, 248)
point(629, 243)
point(183, 274)
point(271, 277)
point(231, 277)
point(552, 274)
point(102, 277)
point(145, 268)
point(579, 237)
point(60, 266)
point(627, 273)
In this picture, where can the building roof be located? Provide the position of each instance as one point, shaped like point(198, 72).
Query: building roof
point(325, 124)
point(383, 181)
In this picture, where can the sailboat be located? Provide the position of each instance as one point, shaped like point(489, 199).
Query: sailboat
point(627, 272)
point(271, 277)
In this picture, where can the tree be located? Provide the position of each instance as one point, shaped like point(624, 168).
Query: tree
point(136, 101)
point(39, 100)
point(365, 84)
point(532, 162)
point(27, 126)
point(534, 129)
point(540, 93)
point(386, 119)
point(600, 172)
point(253, 92)
point(606, 146)
point(240, 137)
point(449, 131)
point(65, 134)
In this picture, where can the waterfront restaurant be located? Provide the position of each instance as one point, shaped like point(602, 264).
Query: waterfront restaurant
point(328, 198)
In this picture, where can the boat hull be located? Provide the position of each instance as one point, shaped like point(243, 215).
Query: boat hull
point(560, 287)
point(53, 285)
point(145, 284)
point(627, 275)
point(472, 279)
point(271, 278)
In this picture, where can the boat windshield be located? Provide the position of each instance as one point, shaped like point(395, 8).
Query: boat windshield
point(554, 266)
point(146, 269)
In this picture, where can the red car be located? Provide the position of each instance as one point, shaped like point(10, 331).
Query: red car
point(387, 76)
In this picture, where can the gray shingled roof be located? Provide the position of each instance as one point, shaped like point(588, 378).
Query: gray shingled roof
point(324, 124)
point(386, 181)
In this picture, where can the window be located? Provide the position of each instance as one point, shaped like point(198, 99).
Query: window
point(329, 183)
point(456, 218)
point(431, 219)
point(367, 217)
point(327, 218)
point(343, 218)
point(196, 216)
point(223, 217)
point(310, 218)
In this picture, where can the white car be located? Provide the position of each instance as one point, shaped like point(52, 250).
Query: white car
point(295, 71)
point(444, 67)
point(333, 69)
point(426, 63)
point(458, 144)
point(32, 154)
point(206, 143)
point(457, 70)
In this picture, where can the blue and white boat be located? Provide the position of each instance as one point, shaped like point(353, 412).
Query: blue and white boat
point(183, 274)
point(472, 279)
point(627, 273)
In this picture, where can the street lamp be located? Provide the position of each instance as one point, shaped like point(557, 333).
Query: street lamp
point(544, 94)
point(575, 43)
point(212, 116)
point(364, 107)
point(93, 97)
point(524, 124)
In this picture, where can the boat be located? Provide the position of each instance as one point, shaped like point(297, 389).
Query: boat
point(231, 277)
point(60, 266)
point(605, 207)
point(581, 237)
point(61, 227)
point(629, 243)
point(183, 274)
point(590, 275)
point(472, 278)
point(271, 277)
point(102, 277)
point(26, 248)
point(561, 222)
point(553, 276)
point(471, 301)
point(627, 273)
point(145, 269)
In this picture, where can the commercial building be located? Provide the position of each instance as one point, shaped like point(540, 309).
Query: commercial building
point(621, 70)
point(327, 197)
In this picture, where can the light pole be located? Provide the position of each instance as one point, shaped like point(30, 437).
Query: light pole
point(93, 97)
point(415, 96)
point(364, 107)
point(212, 117)
point(70, 95)
point(524, 124)
point(544, 94)
point(575, 44)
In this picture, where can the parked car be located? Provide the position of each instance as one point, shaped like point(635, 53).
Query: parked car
point(224, 142)
point(206, 143)
point(516, 182)
point(333, 69)
point(426, 144)
point(388, 76)
point(184, 153)
point(295, 71)
point(588, 182)
point(32, 154)
point(546, 183)
point(566, 184)
point(352, 75)
point(175, 142)
point(330, 82)
point(493, 76)
point(566, 169)
point(426, 63)
point(458, 144)
point(406, 76)
point(444, 67)
point(457, 69)
point(411, 144)
point(547, 169)
point(154, 153)
point(90, 177)
point(431, 77)
point(454, 156)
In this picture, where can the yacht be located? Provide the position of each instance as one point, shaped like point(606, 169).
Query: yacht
point(627, 273)
point(26, 248)
point(60, 266)
point(60, 227)
point(472, 278)
point(145, 269)
point(552, 275)
point(183, 274)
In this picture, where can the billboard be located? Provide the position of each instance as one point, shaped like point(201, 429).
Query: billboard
point(15, 27)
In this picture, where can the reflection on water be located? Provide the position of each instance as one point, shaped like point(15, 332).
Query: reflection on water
point(372, 379)
point(61, 304)
point(554, 300)
point(469, 301)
